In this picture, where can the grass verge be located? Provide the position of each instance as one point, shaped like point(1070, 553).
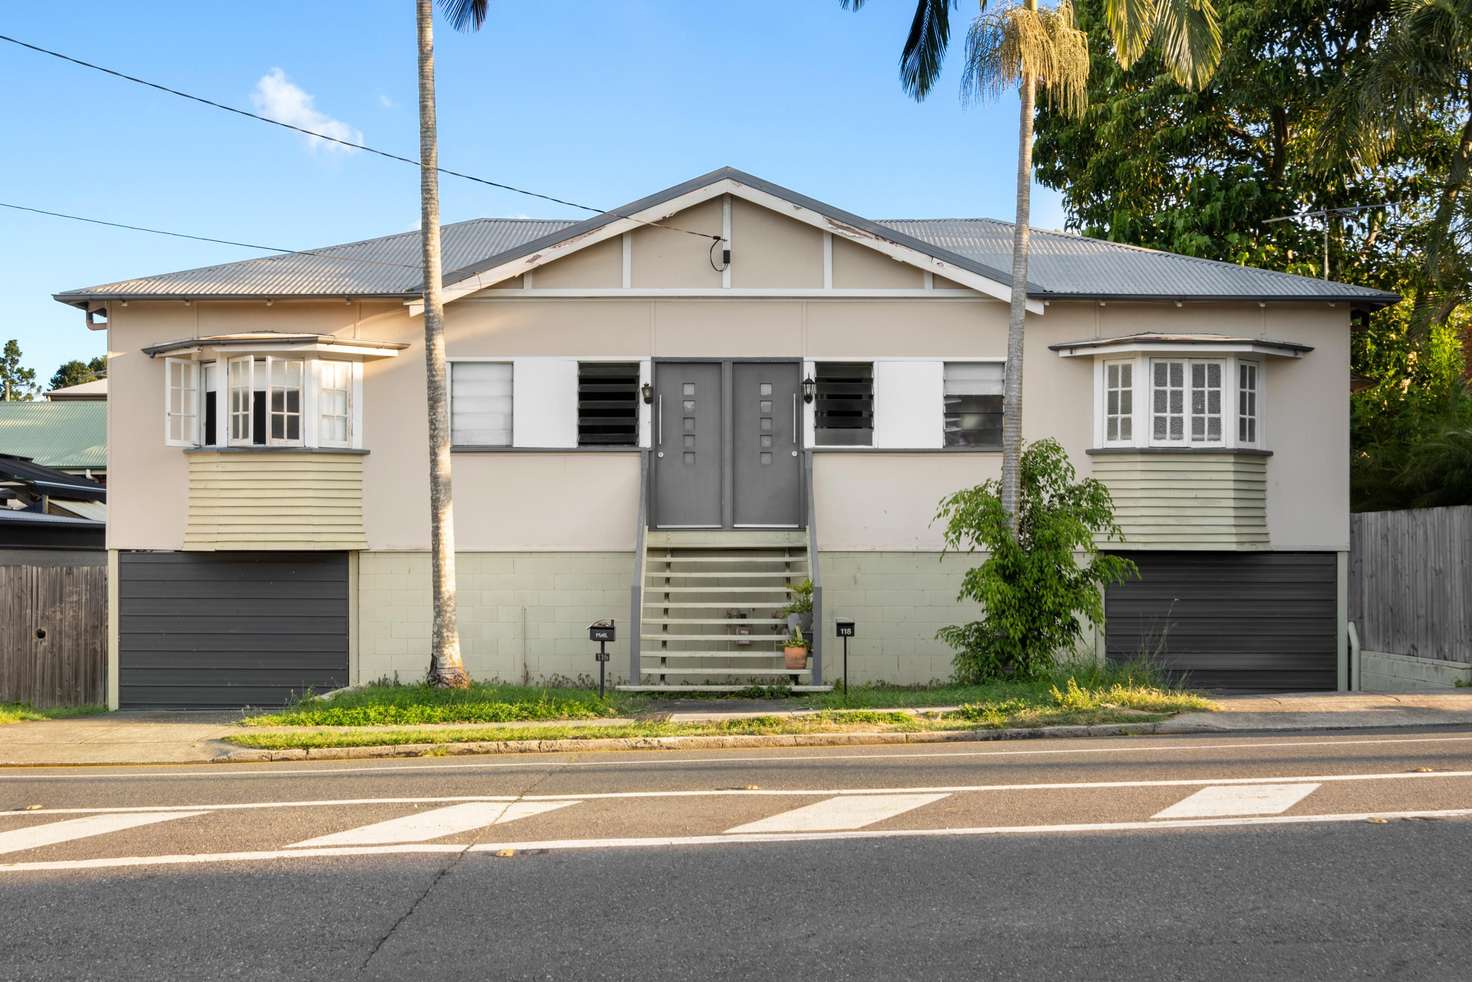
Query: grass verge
point(20, 712)
point(395, 705)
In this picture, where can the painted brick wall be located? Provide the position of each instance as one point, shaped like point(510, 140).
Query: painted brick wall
point(521, 615)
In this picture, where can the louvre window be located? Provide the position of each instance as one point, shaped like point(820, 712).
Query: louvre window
point(480, 404)
point(608, 404)
point(973, 404)
point(844, 409)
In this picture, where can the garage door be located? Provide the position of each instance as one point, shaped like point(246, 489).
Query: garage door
point(1257, 621)
point(228, 630)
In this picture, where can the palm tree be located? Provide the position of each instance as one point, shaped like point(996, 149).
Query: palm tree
point(446, 668)
point(1024, 45)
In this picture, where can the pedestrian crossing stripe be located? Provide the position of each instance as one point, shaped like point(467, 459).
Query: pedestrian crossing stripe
point(434, 824)
point(55, 833)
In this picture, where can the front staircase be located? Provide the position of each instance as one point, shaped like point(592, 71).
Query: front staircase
point(708, 614)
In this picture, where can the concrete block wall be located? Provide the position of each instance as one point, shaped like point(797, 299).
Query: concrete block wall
point(898, 600)
point(1382, 671)
point(521, 615)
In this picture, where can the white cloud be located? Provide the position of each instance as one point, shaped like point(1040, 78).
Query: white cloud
point(277, 97)
point(387, 103)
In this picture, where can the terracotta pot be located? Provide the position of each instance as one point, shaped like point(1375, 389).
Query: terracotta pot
point(795, 657)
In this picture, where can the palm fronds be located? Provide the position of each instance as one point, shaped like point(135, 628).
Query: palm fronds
point(1003, 46)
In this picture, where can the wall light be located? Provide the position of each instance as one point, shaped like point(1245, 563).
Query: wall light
point(647, 392)
point(809, 389)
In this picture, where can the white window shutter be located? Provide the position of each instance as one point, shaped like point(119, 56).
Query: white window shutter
point(545, 394)
point(909, 404)
point(480, 403)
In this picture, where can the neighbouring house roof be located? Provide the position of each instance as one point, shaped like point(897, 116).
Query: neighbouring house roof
point(28, 529)
point(273, 339)
point(93, 390)
point(1061, 266)
point(48, 481)
point(68, 435)
point(1290, 349)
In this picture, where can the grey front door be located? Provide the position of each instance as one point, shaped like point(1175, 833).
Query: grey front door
point(766, 443)
point(689, 409)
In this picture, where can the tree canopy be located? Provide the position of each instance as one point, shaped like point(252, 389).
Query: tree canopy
point(17, 382)
point(76, 372)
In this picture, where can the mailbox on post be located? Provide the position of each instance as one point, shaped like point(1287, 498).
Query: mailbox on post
point(845, 630)
point(602, 632)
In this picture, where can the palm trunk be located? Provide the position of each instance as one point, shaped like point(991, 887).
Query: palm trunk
point(445, 666)
point(1012, 388)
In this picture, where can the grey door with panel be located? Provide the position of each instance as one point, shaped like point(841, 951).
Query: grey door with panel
point(688, 433)
point(766, 439)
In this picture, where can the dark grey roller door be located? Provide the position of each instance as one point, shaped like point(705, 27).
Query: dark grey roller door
point(230, 629)
point(1241, 620)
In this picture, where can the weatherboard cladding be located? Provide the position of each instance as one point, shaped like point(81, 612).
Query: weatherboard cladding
point(1060, 266)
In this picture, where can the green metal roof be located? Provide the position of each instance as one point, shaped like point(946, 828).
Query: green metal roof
point(65, 435)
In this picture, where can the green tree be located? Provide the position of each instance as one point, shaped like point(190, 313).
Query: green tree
point(76, 372)
point(446, 667)
point(1039, 587)
point(1020, 44)
point(17, 382)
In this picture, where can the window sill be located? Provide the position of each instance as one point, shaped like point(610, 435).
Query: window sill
point(459, 449)
point(908, 450)
point(1239, 451)
point(277, 449)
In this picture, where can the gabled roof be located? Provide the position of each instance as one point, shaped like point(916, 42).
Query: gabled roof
point(1061, 267)
point(49, 481)
point(68, 435)
point(94, 390)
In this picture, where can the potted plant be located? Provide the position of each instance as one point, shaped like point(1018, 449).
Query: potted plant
point(799, 610)
point(795, 650)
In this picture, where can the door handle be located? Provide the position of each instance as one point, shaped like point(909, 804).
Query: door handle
point(660, 445)
point(794, 419)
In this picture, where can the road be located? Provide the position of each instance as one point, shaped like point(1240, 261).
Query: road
point(1285, 857)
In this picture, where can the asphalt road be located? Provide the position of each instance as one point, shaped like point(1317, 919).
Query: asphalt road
point(1284, 857)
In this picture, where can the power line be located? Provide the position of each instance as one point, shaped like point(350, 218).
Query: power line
point(1326, 214)
point(205, 238)
point(332, 139)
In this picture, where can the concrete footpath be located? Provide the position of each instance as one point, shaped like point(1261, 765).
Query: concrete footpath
point(196, 737)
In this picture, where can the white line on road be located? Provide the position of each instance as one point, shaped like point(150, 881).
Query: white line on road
point(847, 812)
point(558, 845)
point(938, 751)
point(1240, 799)
point(1185, 782)
point(436, 824)
point(52, 833)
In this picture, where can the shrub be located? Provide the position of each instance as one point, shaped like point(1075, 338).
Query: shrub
point(1038, 587)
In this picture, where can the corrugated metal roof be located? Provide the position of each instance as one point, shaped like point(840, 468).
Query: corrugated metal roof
point(1064, 265)
point(1060, 266)
point(69, 435)
point(49, 480)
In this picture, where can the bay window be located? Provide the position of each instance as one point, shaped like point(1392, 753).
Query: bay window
point(284, 398)
point(1178, 401)
point(261, 401)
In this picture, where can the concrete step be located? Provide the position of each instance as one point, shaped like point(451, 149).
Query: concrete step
point(799, 560)
point(715, 688)
point(679, 574)
point(682, 621)
point(727, 638)
point(687, 655)
point(733, 672)
point(726, 538)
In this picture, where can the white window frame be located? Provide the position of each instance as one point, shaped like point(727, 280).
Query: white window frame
point(181, 402)
point(231, 413)
point(322, 369)
point(1101, 408)
point(972, 361)
point(301, 407)
point(1258, 416)
point(1144, 400)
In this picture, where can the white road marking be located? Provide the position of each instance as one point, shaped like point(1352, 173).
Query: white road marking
point(1239, 799)
point(436, 824)
point(845, 812)
point(1136, 745)
point(1185, 782)
point(35, 836)
point(558, 845)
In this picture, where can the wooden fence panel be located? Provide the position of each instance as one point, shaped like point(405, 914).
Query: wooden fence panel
point(1410, 582)
point(53, 635)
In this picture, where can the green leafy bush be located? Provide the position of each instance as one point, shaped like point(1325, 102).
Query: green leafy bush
point(1036, 589)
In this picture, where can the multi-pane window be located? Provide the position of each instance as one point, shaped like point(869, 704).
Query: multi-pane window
point(284, 400)
point(973, 404)
point(335, 403)
point(182, 409)
point(1119, 401)
point(1168, 401)
point(608, 403)
point(1247, 375)
point(843, 412)
point(1186, 401)
point(480, 404)
point(242, 403)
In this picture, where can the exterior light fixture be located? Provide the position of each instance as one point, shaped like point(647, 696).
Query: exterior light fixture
point(809, 389)
point(646, 391)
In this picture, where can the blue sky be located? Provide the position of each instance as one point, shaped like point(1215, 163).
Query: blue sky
point(597, 102)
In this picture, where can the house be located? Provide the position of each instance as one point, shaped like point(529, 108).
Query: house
point(93, 391)
point(670, 413)
point(67, 435)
